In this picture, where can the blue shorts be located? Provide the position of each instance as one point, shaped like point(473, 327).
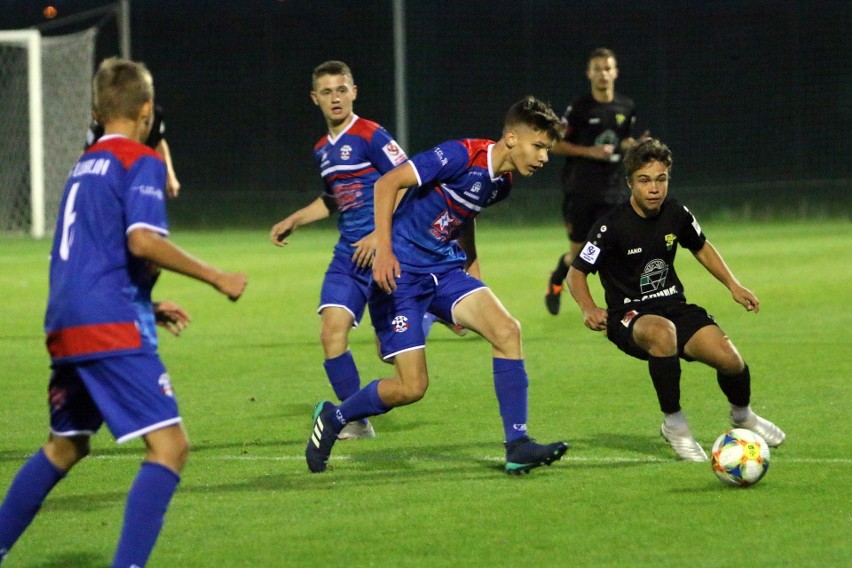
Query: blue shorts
point(132, 394)
point(346, 286)
point(397, 317)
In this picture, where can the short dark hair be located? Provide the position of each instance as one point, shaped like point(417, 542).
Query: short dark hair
point(537, 115)
point(645, 152)
point(331, 68)
point(601, 52)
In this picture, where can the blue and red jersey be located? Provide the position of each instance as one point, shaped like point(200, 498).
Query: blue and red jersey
point(100, 294)
point(456, 180)
point(350, 164)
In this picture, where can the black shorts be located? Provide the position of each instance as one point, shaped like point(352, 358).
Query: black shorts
point(581, 211)
point(687, 319)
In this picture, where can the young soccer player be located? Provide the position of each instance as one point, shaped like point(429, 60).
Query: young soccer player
point(419, 267)
point(107, 251)
point(633, 248)
point(351, 157)
point(600, 126)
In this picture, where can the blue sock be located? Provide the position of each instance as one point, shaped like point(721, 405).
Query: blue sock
point(428, 320)
point(143, 517)
point(343, 375)
point(365, 402)
point(510, 383)
point(26, 494)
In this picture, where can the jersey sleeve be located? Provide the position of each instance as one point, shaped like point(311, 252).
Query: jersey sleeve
point(589, 258)
point(385, 153)
point(145, 205)
point(691, 236)
point(158, 129)
point(443, 162)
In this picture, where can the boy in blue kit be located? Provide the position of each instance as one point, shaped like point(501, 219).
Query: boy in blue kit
point(108, 248)
point(419, 266)
point(351, 157)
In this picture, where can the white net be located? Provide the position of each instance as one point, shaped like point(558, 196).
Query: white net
point(67, 67)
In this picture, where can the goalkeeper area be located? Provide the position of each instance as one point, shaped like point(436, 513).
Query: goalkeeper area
point(45, 109)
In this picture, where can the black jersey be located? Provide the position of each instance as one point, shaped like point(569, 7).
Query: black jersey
point(158, 131)
point(635, 255)
point(591, 123)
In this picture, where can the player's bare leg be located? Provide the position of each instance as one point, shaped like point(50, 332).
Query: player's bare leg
point(482, 312)
point(556, 282)
point(711, 346)
point(340, 367)
point(657, 336)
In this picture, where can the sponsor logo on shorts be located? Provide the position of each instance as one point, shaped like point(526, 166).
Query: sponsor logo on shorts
point(400, 324)
point(56, 396)
point(628, 317)
point(166, 385)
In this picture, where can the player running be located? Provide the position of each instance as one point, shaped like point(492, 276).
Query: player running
point(419, 267)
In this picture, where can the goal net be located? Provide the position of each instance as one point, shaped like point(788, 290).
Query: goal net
point(43, 135)
point(45, 108)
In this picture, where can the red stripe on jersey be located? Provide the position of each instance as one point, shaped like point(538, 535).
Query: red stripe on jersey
point(350, 175)
point(361, 127)
point(462, 212)
point(126, 150)
point(477, 149)
point(94, 338)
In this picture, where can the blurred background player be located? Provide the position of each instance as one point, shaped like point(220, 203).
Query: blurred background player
point(108, 248)
point(600, 126)
point(419, 266)
point(633, 248)
point(351, 157)
point(156, 140)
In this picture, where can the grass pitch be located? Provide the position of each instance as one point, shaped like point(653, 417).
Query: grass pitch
point(429, 490)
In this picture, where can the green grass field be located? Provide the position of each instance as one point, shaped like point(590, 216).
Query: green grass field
point(429, 490)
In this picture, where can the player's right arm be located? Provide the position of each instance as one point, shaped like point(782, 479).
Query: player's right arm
point(153, 247)
point(594, 317)
point(318, 209)
point(385, 265)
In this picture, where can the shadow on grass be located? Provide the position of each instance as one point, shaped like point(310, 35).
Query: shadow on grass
point(73, 560)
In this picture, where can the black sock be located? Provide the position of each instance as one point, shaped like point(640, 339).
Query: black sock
point(736, 387)
point(665, 374)
point(560, 273)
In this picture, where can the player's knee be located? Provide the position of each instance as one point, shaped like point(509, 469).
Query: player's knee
point(658, 337)
point(507, 334)
point(64, 452)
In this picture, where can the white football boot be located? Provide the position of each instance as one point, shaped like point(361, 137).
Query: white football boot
point(773, 435)
point(357, 430)
point(683, 443)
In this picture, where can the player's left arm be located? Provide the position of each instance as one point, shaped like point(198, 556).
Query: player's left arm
point(385, 265)
point(467, 242)
point(172, 183)
point(710, 259)
point(171, 316)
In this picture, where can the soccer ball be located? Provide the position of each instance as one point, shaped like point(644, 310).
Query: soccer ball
point(740, 457)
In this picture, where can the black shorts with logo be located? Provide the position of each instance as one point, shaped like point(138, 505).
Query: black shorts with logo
point(687, 319)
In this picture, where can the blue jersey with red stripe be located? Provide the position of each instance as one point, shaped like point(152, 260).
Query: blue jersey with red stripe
point(456, 180)
point(350, 164)
point(100, 294)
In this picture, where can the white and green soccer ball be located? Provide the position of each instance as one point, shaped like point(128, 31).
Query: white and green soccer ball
point(740, 457)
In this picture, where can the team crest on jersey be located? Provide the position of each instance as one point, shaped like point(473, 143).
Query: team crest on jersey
point(444, 226)
point(345, 152)
point(653, 276)
point(590, 253)
point(166, 385)
point(400, 324)
point(670, 239)
point(620, 118)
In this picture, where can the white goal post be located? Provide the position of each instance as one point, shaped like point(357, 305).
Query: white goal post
point(45, 110)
